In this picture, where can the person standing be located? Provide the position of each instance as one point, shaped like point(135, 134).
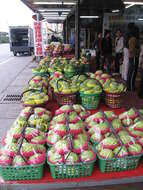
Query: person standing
point(125, 66)
point(140, 92)
point(133, 58)
point(119, 45)
point(98, 47)
point(72, 42)
point(107, 51)
point(125, 63)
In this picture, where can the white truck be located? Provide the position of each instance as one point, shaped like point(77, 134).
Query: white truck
point(21, 39)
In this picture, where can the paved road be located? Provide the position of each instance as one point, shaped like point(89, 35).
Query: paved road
point(5, 53)
point(10, 66)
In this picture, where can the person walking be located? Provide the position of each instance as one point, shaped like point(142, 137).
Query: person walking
point(133, 58)
point(119, 45)
point(98, 47)
point(107, 51)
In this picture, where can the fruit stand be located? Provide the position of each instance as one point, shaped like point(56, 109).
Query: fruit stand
point(70, 133)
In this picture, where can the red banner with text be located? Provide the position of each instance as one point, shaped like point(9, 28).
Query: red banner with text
point(38, 38)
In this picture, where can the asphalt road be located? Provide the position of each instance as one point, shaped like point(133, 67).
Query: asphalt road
point(5, 53)
point(10, 66)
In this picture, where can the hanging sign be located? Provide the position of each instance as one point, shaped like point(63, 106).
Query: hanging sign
point(38, 38)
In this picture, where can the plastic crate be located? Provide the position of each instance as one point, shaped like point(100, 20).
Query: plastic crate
point(90, 101)
point(118, 164)
point(71, 171)
point(22, 172)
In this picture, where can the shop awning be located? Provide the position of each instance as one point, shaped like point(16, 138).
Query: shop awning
point(58, 10)
point(51, 10)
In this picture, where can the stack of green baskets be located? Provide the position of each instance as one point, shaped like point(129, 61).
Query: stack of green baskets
point(28, 172)
point(90, 101)
point(71, 170)
point(118, 164)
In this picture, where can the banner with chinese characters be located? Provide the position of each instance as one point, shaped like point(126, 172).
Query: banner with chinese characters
point(38, 38)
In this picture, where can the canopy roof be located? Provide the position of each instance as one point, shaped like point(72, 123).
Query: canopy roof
point(59, 10)
point(55, 10)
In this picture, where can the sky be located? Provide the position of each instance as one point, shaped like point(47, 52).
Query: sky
point(14, 13)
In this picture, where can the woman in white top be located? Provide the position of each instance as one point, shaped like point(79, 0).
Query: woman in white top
point(119, 45)
point(125, 65)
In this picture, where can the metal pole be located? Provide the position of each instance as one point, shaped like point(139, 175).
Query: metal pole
point(77, 30)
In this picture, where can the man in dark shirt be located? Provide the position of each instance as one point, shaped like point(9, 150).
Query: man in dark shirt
point(107, 50)
point(98, 47)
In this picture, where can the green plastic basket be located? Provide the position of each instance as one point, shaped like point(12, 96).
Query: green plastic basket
point(90, 101)
point(118, 164)
point(22, 172)
point(42, 74)
point(69, 74)
point(71, 171)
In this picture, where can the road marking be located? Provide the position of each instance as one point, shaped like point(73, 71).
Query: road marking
point(3, 62)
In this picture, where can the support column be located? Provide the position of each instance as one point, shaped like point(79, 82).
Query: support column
point(64, 31)
point(77, 30)
point(67, 32)
point(88, 39)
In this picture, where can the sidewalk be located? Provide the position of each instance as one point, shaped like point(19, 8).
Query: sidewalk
point(18, 74)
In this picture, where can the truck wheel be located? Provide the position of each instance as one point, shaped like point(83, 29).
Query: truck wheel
point(14, 53)
point(29, 53)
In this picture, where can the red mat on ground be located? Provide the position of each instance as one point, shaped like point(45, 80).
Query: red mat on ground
point(96, 176)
